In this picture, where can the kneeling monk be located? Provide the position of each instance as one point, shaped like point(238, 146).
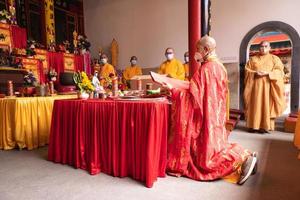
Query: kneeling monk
point(198, 144)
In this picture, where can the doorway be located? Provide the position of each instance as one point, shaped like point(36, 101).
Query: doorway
point(292, 37)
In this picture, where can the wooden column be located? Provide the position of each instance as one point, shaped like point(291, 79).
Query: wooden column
point(194, 17)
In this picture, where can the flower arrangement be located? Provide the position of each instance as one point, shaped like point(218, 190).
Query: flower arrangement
point(5, 16)
point(52, 75)
point(30, 47)
point(83, 82)
point(29, 79)
point(83, 43)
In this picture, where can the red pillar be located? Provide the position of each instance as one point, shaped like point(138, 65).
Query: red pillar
point(194, 12)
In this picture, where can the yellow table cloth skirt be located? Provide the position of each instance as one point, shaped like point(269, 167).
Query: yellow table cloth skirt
point(25, 122)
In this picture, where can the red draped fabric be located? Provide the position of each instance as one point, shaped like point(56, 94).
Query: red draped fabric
point(79, 63)
point(120, 138)
point(42, 75)
point(198, 145)
point(87, 62)
point(56, 61)
point(19, 37)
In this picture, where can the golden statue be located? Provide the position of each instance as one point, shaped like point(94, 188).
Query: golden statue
point(75, 39)
point(100, 51)
point(114, 53)
point(12, 11)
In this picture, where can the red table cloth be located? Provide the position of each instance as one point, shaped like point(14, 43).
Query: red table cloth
point(120, 138)
point(19, 37)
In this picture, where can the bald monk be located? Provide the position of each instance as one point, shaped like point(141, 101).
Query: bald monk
point(132, 70)
point(198, 145)
point(106, 69)
point(264, 90)
point(172, 67)
point(186, 65)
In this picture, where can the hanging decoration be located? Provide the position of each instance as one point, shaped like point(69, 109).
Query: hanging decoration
point(50, 23)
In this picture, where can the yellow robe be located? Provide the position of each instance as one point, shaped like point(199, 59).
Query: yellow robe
point(263, 96)
point(106, 70)
point(173, 68)
point(131, 71)
point(187, 71)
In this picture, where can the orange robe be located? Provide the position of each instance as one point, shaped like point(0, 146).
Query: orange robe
point(106, 70)
point(132, 71)
point(187, 71)
point(173, 68)
point(198, 143)
point(263, 96)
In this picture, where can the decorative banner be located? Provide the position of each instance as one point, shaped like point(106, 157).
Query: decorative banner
point(50, 23)
point(41, 54)
point(69, 62)
point(5, 36)
point(114, 53)
point(31, 64)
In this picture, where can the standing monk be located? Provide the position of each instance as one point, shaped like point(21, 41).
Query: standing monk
point(198, 144)
point(264, 90)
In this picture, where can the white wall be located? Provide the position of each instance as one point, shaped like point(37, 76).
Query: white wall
point(142, 27)
point(233, 19)
point(146, 27)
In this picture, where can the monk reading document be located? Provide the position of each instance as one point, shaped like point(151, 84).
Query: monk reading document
point(198, 145)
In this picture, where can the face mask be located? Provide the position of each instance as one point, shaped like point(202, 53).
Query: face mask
point(186, 59)
point(133, 62)
point(198, 57)
point(169, 56)
point(103, 60)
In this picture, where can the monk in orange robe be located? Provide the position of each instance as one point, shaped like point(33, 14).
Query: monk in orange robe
point(106, 68)
point(198, 145)
point(186, 65)
point(132, 70)
point(172, 67)
point(264, 90)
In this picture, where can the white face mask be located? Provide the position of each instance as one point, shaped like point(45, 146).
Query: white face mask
point(198, 57)
point(133, 62)
point(186, 59)
point(103, 60)
point(170, 56)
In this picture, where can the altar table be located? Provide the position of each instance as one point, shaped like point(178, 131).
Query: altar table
point(119, 138)
point(25, 121)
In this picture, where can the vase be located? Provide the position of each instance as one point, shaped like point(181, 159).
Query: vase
point(91, 95)
point(83, 95)
point(28, 91)
point(83, 51)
